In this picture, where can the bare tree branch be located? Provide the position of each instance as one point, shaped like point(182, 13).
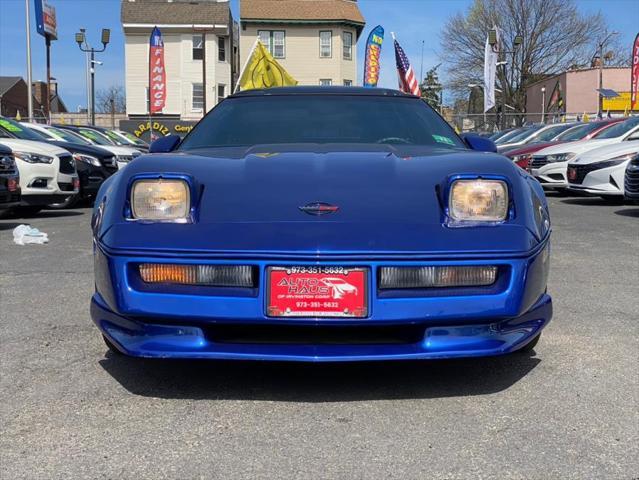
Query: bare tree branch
point(112, 99)
point(556, 37)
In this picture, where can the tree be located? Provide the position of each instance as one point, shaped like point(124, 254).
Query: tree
point(555, 36)
point(110, 100)
point(431, 88)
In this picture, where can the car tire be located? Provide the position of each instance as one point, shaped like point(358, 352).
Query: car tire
point(530, 346)
point(68, 202)
point(613, 199)
point(112, 348)
point(28, 211)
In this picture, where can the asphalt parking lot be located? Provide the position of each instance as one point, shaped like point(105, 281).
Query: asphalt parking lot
point(69, 409)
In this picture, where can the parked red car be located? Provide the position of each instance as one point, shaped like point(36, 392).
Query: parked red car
point(586, 131)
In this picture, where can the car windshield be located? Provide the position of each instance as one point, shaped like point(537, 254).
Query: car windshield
point(551, 133)
point(513, 133)
point(497, 135)
point(132, 138)
point(618, 129)
point(68, 136)
point(14, 129)
point(114, 137)
point(94, 136)
point(578, 132)
point(323, 119)
point(522, 135)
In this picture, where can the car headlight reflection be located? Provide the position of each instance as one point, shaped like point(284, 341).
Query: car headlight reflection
point(91, 160)
point(161, 199)
point(478, 200)
point(33, 157)
point(561, 157)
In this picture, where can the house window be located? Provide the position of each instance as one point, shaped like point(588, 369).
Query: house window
point(326, 38)
point(274, 41)
point(198, 47)
point(197, 97)
point(221, 92)
point(347, 40)
point(325, 82)
point(348, 83)
point(221, 49)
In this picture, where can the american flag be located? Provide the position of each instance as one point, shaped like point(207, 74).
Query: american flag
point(407, 81)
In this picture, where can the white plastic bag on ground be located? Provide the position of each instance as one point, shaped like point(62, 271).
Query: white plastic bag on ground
point(24, 234)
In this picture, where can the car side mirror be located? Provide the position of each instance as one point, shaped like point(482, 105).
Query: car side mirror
point(165, 144)
point(479, 143)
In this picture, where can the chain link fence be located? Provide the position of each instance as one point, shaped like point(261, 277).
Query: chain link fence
point(491, 122)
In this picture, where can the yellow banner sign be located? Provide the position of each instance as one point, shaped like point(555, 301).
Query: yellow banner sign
point(620, 103)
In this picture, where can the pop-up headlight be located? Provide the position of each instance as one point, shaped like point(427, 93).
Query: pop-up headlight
point(478, 200)
point(161, 200)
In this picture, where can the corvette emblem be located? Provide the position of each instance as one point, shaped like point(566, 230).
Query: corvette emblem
point(319, 208)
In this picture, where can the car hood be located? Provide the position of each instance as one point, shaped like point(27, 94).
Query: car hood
point(31, 146)
point(118, 150)
point(388, 201)
point(98, 152)
point(578, 146)
point(607, 153)
point(530, 149)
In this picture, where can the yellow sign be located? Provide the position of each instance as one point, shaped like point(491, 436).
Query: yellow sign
point(263, 71)
point(620, 103)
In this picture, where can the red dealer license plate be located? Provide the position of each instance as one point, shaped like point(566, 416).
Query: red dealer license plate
point(312, 291)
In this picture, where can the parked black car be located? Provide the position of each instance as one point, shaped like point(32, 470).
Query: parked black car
point(9, 180)
point(631, 181)
point(94, 164)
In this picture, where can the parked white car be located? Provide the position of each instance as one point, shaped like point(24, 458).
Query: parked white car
point(601, 171)
point(123, 154)
point(550, 165)
point(47, 173)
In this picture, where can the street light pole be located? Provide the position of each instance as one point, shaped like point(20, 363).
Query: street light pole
point(80, 38)
point(601, 59)
point(92, 87)
point(543, 104)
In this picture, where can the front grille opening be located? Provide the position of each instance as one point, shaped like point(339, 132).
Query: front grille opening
point(67, 164)
point(38, 183)
point(316, 334)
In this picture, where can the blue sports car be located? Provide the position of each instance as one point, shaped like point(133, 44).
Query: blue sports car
point(321, 224)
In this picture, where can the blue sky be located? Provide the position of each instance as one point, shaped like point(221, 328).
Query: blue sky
point(412, 21)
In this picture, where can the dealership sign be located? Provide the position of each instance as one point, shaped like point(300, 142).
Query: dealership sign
point(634, 80)
point(373, 51)
point(142, 129)
point(157, 73)
point(45, 19)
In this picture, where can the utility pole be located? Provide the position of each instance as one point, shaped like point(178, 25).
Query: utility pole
point(601, 60)
point(29, 79)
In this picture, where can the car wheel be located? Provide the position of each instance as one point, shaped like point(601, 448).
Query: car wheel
point(613, 199)
point(68, 202)
point(29, 211)
point(530, 346)
point(112, 348)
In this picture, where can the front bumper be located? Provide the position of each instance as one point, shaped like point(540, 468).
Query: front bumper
point(92, 177)
point(552, 175)
point(188, 323)
point(597, 181)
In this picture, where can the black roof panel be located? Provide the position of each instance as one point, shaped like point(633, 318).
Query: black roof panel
point(317, 90)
